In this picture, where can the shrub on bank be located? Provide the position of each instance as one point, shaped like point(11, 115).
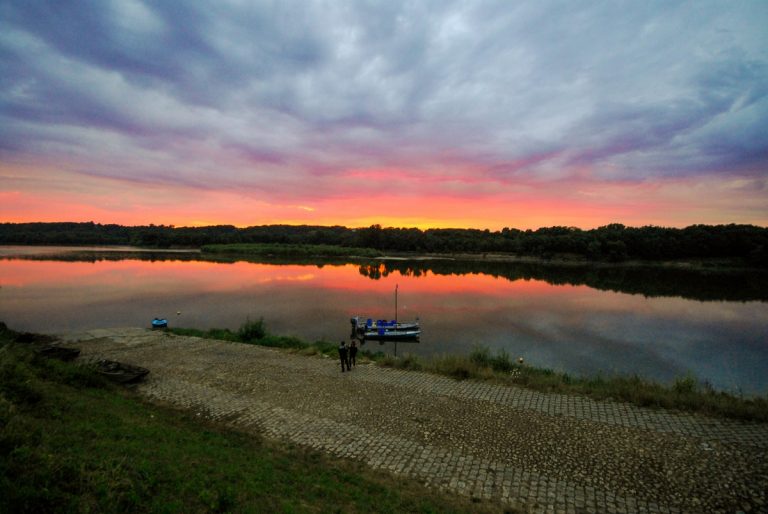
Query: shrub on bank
point(251, 331)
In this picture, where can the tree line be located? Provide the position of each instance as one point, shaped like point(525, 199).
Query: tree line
point(747, 244)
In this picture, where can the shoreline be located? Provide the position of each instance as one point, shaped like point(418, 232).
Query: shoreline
point(684, 394)
point(488, 445)
point(15, 250)
point(11, 251)
point(714, 265)
point(474, 438)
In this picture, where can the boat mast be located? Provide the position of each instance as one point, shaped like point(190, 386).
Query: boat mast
point(396, 286)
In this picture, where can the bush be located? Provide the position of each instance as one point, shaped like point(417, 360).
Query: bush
point(388, 361)
point(500, 362)
point(326, 347)
point(481, 356)
point(252, 330)
point(281, 342)
point(685, 385)
point(456, 367)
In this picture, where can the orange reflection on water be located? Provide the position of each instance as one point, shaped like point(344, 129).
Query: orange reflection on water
point(218, 277)
point(207, 276)
point(561, 326)
point(330, 283)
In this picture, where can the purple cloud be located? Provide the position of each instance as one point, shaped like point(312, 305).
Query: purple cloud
point(286, 95)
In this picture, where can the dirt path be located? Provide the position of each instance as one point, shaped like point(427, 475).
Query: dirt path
point(540, 452)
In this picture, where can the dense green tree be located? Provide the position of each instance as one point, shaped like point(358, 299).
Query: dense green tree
point(745, 244)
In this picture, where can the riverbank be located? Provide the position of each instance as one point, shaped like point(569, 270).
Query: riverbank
point(581, 261)
point(70, 442)
point(685, 393)
point(302, 252)
point(524, 449)
point(288, 250)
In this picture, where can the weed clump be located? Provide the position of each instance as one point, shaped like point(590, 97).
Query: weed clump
point(501, 362)
point(252, 331)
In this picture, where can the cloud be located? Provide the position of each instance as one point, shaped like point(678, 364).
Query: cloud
point(286, 99)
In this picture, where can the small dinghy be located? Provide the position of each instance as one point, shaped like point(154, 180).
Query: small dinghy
point(120, 372)
point(159, 323)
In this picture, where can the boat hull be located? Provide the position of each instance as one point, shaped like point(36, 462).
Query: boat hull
point(58, 352)
point(121, 372)
point(392, 335)
point(369, 328)
point(383, 330)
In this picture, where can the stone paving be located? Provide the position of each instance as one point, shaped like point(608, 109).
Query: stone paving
point(538, 452)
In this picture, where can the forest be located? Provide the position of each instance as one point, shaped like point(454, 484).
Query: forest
point(741, 244)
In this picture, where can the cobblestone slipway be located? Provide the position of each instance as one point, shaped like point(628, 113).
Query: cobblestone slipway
point(535, 451)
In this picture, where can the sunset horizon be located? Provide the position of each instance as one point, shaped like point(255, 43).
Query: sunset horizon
point(452, 115)
point(375, 224)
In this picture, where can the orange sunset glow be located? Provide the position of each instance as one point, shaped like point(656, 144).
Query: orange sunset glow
point(572, 203)
point(439, 124)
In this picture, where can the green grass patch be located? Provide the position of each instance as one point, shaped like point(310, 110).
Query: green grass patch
point(289, 250)
point(255, 332)
point(222, 334)
point(69, 443)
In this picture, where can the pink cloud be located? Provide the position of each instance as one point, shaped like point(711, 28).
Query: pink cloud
point(390, 197)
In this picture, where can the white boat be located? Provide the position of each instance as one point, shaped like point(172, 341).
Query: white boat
point(383, 330)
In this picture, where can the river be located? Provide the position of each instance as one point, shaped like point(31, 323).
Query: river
point(659, 323)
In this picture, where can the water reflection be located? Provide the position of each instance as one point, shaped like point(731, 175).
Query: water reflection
point(396, 348)
point(704, 284)
point(698, 284)
point(570, 319)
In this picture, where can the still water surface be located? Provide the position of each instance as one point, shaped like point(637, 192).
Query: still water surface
point(582, 321)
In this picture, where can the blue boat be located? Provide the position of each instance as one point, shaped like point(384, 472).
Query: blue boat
point(159, 323)
point(383, 330)
point(392, 334)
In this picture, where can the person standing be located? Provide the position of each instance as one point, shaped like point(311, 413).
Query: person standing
point(343, 355)
point(352, 353)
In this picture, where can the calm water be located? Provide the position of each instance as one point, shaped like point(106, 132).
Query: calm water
point(579, 320)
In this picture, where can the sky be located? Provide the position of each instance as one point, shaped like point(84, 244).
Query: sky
point(402, 113)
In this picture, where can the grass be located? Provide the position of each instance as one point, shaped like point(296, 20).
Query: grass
point(685, 393)
point(70, 442)
point(255, 332)
point(290, 250)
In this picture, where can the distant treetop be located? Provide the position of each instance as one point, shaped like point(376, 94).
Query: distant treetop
point(614, 242)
